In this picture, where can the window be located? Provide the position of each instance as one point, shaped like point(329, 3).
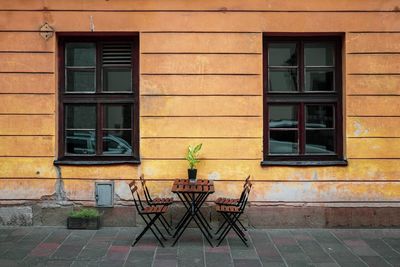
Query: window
point(98, 92)
point(302, 101)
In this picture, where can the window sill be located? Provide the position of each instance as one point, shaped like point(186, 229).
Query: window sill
point(304, 163)
point(94, 162)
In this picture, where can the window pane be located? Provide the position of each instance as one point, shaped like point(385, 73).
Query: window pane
point(80, 142)
point(80, 81)
point(319, 80)
point(117, 116)
point(117, 80)
point(80, 116)
point(320, 142)
point(81, 54)
point(283, 142)
point(319, 54)
point(282, 116)
point(282, 80)
point(319, 116)
point(282, 54)
point(117, 142)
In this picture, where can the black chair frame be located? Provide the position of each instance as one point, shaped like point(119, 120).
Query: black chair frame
point(232, 218)
point(150, 202)
point(150, 221)
point(246, 184)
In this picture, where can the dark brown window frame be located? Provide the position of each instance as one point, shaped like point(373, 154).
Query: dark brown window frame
point(98, 98)
point(301, 98)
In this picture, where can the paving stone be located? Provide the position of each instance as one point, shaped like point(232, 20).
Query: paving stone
point(268, 253)
point(79, 237)
point(10, 263)
point(67, 251)
point(314, 251)
point(118, 253)
point(273, 264)
point(19, 252)
point(44, 249)
point(105, 234)
point(166, 253)
point(394, 243)
point(84, 263)
point(395, 261)
point(299, 264)
point(5, 246)
point(165, 263)
point(140, 258)
point(296, 257)
point(360, 247)
point(382, 248)
point(218, 259)
point(189, 256)
point(330, 264)
point(375, 261)
point(58, 236)
point(58, 263)
point(125, 237)
point(323, 236)
point(94, 251)
point(352, 264)
point(244, 254)
point(34, 261)
point(301, 235)
point(111, 263)
point(370, 233)
point(346, 234)
point(246, 263)
point(344, 256)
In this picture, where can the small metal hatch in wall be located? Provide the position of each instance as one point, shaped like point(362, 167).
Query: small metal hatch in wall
point(104, 194)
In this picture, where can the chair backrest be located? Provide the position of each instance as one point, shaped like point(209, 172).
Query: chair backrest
point(246, 183)
point(145, 189)
point(246, 193)
point(134, 191)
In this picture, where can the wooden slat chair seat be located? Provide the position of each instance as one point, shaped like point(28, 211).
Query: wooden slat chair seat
point(227, 201)
point(155, 202)
point(231, 201)
point(231, 209)
point(154, 209)
point(232, 215)
point(149, 214)
point(162, 201)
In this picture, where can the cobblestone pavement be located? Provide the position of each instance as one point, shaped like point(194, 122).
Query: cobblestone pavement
point(52, 246)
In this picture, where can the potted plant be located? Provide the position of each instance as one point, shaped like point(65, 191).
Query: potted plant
point(86, 218)
point(192, 158)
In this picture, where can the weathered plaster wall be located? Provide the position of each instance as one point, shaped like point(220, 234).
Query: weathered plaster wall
point(201, 81)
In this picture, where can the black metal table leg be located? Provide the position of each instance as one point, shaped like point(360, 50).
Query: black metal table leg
point(196, 211)
point(192, 216)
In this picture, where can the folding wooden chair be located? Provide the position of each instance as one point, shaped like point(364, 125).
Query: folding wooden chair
point(232, 215)
point(232, 202)
point(156, 202)
point(149, 214)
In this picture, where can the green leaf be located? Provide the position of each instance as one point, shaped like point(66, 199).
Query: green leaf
point(192, 154)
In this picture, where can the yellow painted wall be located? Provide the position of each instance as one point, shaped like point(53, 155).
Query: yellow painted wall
point(213, 94)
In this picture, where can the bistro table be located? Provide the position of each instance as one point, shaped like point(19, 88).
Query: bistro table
point(193, 195)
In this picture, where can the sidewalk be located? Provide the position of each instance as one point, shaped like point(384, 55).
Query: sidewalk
point(52, 246)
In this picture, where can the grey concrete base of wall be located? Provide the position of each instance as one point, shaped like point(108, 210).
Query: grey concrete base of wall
point(10, 216)
point(255, 216)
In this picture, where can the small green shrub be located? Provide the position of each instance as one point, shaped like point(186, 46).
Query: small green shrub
point(84, 213)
